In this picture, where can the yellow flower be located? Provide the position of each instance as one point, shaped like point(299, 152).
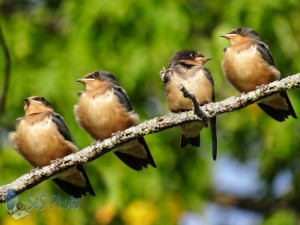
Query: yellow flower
point(140, 212)
point(105, 214)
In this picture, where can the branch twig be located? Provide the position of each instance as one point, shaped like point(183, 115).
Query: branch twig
point(186, 94)
point(157, 124)
point(197, 107)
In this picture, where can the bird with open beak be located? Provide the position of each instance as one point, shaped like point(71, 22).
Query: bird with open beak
point(42, 136)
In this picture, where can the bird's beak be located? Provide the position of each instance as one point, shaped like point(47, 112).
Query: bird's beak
point(205, 59)
point(84, 80)
point(224, 36)
point(228, 36)
point(81, 81)
point(201, 60)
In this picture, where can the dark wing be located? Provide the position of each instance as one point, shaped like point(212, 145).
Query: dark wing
point(75, 190)
point(72, 189)
point(213, 120)
point(61, 126)
point(123, 98)
point(265, 53)
point(149, 159)
point(279, 114)
point(194, 141)
point(208, 75)
point(137, 163)
point(166, 76)
point(291, 109)
point(131, 161)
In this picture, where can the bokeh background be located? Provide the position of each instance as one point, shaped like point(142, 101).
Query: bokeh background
point(255, 180)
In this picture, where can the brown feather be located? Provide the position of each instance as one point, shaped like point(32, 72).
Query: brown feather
point(98, 109)
point(194, 81)
point(40, 149)
point(245, 69)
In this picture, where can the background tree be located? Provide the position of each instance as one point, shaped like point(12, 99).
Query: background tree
point(53, 43)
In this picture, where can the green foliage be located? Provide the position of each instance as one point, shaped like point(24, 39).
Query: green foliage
point(53, 43)
point(284, 217)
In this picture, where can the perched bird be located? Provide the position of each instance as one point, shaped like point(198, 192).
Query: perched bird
point(104, 109)
point(41, 136)
point(248, 63)
point(186, 68)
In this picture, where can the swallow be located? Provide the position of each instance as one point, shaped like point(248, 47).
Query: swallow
point(42, 136)
point(104, 109)
point(248, 63)
point(186, 67)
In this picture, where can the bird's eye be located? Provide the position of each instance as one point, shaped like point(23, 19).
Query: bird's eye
point(43, 100)
point(239, 30)
point(39, 99)
point(193, 55)
point(97, 74)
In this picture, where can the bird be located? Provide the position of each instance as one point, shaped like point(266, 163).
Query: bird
point(186, 67)
point(248, 63)
point(103, 109)
point(42, 136)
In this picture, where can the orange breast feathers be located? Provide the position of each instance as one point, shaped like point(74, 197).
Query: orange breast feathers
point(245, 69)
point(40, 142)
point(197, 83)
point(101, 114)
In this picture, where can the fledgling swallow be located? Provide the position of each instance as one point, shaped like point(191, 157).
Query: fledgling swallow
point(186, 68)
point(104, 109)
point(42, 136)
point(248, 63)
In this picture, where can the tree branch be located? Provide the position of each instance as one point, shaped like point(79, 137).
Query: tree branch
point(157, 124)
point(265, 205)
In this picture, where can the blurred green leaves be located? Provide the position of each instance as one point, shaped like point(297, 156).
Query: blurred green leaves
point(53, 43)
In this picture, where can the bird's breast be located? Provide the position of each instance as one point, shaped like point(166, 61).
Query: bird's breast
point(197, 83)
point(245, 69)
point(40, 142)
point(102, 115)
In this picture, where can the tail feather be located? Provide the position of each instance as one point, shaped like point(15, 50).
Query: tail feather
point(75, 190)
point(194, 141)
point(137, 163)
point(291, 109)
point(213, 132)
point(279, 114)
point(276, 114)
